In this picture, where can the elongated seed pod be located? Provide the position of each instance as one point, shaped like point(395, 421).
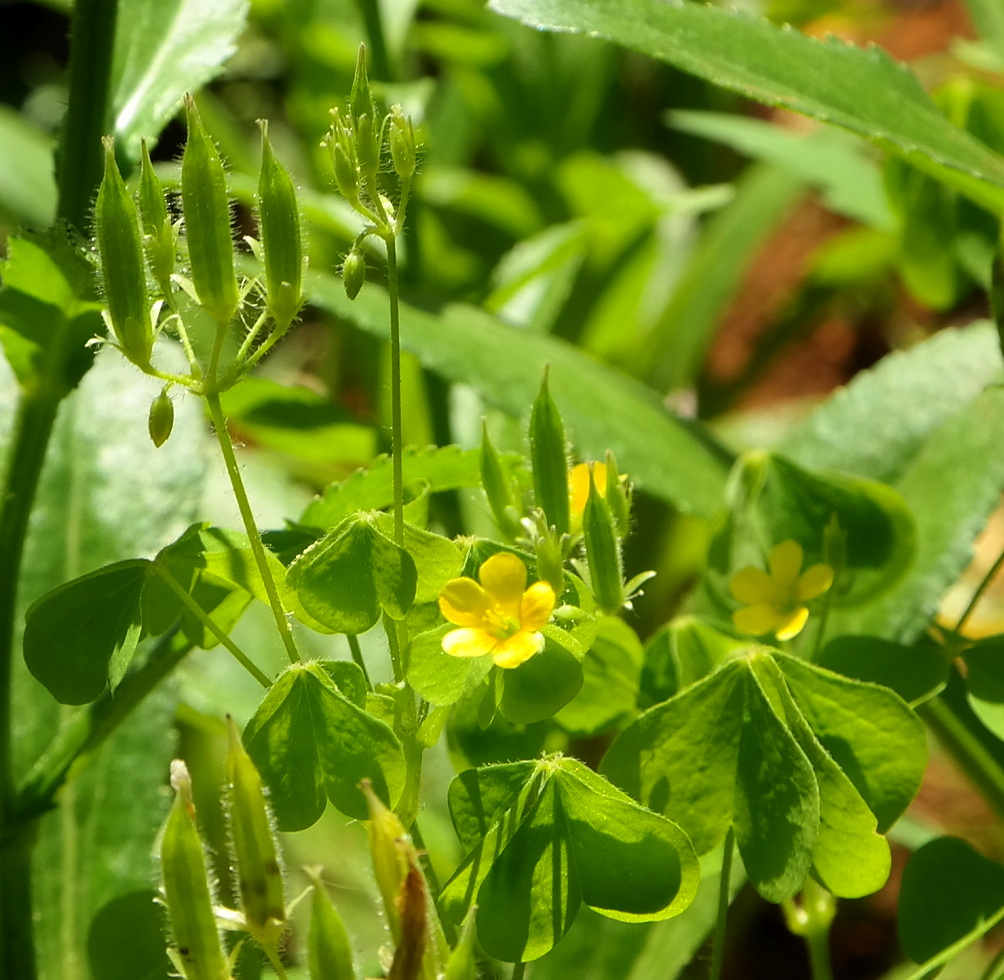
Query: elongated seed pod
point(207, 221)
point(186, 887)
point(550, 463)
point(603, 551)
point(618, 495)
point(368, 149)
point(121, 251)
point(329, 952)
point(279, 221)
point(259, 876)
point(158, 234)
point(496, 486)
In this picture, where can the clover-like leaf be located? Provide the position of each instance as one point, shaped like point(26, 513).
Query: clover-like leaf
point(545, 837)
point(311, 742)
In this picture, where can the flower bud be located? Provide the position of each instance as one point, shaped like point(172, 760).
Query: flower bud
point(161, 420)
point(550, 465)
point(368, 148)
point(402, 143)
point(603, 554)
point(618, 495)
point(207, 221)
point(346, 170)
point(353, 273)
point(279, 221)
point(259, 877)
point(121, 251)
point(497, 487)
point(187, 891)
point(411, 901)
point(329, 952)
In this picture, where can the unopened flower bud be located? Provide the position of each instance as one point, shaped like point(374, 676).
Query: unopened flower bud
point(346, 170)
point(121, 251)
point(161, 420)
point(402, 143)
point(259, 876)
point(279, 220)
point(368, 147)
point(207, 221)
point(353, 273)
point(187, 891)
point(412, 903)
point(603, 552)
point(390, 861)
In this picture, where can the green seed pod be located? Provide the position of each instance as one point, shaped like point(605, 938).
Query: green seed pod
point(361, 100)
point(187, 890)
point(390, 862)
point(618, 495)
point(259, 877)
point(346, 170)
point(550, 464)
point(207, 221)
point(403, 150)
point(463, 964)
point(550, 559)
point(329, 952)
point(367, 148)
point(158, 233)
point(497, 487)
point(603, 552)
point(353, 273)
point(161, 420)
point(279, 221)
point(121, 251)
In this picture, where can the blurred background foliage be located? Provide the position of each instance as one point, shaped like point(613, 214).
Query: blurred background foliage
point(739, 262)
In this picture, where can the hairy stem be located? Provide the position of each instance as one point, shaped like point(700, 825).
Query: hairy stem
point(247, 515)
point(395, 391)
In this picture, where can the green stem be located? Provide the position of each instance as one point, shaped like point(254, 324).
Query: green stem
point(978, 594)
point(357, 656)
point(247, 515)
point(518, 969)
point(275, 963)
point(395, 391)
point(724, 883)
point(966, 749)
point(393, 643)
point(77, 741)
point(200, 614)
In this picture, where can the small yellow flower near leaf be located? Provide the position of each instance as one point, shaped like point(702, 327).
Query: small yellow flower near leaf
point(501, 616)
point(774, 601)
point(578, 489)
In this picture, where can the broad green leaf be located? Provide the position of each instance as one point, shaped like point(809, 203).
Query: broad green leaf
point(868, 730)
point(682, 336)
point(541, 686)
point(125, 940)
point(310, 742)
point(551, 835)
point(985, 682)
point(27, 183)
point(48, 302)
point(611, 675)
point(864, 431)
point(439, 468)
point(81, 636)
point(603, 409)
point(438, 677)
point(828, 160)
point(951, 487)
point(789, 755)
point(948, 890)
point(353, 572)
point(915, 673)
point(436, 558)
point(472, 745)
point(862, 90)
point(162, 51)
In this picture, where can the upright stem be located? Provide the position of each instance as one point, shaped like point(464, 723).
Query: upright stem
point(247, 515)
point(978, 594)
point(395, 392)
point(518, 969)
point(724, 882)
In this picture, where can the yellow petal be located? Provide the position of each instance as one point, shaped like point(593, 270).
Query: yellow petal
point(757, 620)
point(464, 602)
point(504, 579)
point(468, 643)
point(786, 562)
point(752, 585)
point(792, 624)
point(536, 606)
point(578, 488)
point(518, 649)
point(815, 582)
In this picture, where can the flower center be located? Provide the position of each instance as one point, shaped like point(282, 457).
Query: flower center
point(499, 625)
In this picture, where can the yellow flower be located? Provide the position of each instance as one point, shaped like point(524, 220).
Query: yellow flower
point(501, 616)
point(578, 490)
point(775, 602)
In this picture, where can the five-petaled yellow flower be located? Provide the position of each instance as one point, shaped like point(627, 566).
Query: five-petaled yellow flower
point(501, 616)
point(775, 602)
